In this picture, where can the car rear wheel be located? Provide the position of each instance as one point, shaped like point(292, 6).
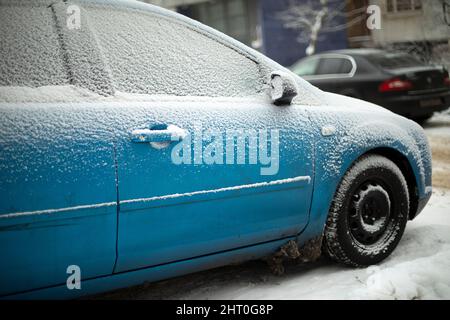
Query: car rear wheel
point(422, 119)
point(368, 214)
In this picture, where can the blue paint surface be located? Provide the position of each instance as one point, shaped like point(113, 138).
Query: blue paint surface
point(76, 188)
point(55, 157)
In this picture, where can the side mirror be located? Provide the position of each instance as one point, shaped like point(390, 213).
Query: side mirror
point(283, 88)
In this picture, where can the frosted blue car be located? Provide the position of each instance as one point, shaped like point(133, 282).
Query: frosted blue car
point(138, 145)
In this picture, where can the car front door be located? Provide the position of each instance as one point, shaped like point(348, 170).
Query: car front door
point(205, 162)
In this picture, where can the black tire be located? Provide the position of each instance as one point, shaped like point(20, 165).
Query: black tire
point(350, 94)
point(423, 119)
point(368, 214)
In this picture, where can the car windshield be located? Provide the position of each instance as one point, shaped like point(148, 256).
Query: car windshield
point(395, 61)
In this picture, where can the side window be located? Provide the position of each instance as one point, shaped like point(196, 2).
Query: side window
point(30, 53)
point(329, 66)
point(149, 54)
point(306, 67)
point(334, 66)
point(346, 66)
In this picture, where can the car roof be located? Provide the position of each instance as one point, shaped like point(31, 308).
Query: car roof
point(358, 52)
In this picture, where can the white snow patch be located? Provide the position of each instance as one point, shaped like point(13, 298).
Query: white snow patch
point(421, 278)
point(439, 125)
point(59, 210)
point(44, 94)
point(240, 187)
point(328, 130)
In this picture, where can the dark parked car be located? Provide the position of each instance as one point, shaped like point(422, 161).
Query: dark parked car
point(396, 81)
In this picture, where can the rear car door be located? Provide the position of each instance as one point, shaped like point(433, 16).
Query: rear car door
point(174, 80)
point(332, 72)
point(58, 195)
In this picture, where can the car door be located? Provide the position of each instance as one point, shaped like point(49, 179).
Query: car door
point(58, 208)
point(333, 72)
point(185, 187)
point(345, 68)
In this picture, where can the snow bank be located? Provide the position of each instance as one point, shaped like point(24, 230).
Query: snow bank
point(439, 125)
point(423, 278)
point(420, 267)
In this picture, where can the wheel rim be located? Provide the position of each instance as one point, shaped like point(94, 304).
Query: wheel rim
point(370, 212)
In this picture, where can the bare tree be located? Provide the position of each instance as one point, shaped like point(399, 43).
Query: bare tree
point(431, 45)
point(312, 18)
point(446, 11)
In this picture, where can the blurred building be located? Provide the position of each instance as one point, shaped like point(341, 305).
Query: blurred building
point(415, 26)
point(411, 20)
point(357, 32)
point(257, 24)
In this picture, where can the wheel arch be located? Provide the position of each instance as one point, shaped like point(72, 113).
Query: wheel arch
point(335, 155)
point(320, 209)
point(352, 93)
point(405, 167)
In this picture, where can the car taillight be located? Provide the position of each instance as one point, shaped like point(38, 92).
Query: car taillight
point(395, 84)
point(447, 81)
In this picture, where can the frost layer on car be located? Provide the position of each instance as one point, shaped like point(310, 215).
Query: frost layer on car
point(30, 53)
point(362, 131)
point(151, 54)
point(43, 94)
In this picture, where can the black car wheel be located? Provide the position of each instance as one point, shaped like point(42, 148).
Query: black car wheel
point(422, 119)
point(368, 214)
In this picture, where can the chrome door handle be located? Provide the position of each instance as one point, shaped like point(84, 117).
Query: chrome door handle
point(171, 134)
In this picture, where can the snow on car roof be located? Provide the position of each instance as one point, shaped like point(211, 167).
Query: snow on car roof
point(359, 51)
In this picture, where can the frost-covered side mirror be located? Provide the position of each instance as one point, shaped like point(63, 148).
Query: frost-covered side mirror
point(283, 88)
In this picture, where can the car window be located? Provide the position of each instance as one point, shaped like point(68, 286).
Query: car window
point(306, 67)
point(30, 54)
point(149, 54)
point(346, 66)
point(330, 66)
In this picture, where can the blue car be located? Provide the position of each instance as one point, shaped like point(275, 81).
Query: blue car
point(138, 145)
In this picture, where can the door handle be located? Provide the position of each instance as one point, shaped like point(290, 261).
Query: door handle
point(171, 134)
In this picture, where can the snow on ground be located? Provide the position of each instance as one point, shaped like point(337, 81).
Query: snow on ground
point(418, 269)
point(439, 125)
point(438, 132)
